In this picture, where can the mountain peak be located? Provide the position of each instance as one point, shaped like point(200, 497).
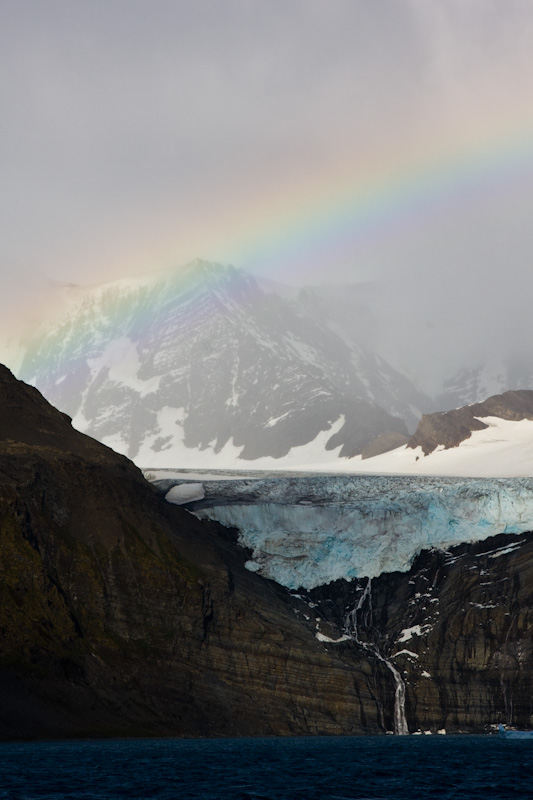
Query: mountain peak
point(200, 365)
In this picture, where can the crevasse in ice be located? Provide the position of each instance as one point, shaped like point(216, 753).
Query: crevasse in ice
point(309, 531)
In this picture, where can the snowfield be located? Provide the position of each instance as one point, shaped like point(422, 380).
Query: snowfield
point(503, 450)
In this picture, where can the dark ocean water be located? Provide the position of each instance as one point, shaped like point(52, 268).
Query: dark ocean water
point(266, 769)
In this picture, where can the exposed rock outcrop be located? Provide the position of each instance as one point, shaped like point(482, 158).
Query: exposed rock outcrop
point(450, 428)
point(121, 615)
point(458, 627)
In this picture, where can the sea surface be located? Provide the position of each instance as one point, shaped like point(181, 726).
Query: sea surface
point(347, 768)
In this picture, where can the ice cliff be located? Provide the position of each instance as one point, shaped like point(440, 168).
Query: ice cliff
point(309, 531)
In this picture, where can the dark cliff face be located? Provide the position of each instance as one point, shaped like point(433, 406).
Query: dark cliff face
point(122, 615)
point(459, 629)
point(450, 428)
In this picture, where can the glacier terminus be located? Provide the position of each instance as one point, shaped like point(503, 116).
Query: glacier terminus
point(308, 531)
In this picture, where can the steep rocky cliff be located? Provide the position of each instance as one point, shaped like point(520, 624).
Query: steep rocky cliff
point(123, 615)
point(459, 629)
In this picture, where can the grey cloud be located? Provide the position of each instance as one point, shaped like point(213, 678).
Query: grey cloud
point(128, 124)
point(172, 102)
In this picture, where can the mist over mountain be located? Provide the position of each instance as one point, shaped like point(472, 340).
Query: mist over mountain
point(207, 366)
point(457, 338)
point(202, 364)
point(367, 167)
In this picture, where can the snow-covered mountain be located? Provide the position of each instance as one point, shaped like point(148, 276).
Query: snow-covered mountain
point(202, 367)
point(503, 448)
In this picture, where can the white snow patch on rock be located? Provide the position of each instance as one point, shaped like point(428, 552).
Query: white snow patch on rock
point(405, 652)
point(415, 630)
point(185, 493)
point(322, 638)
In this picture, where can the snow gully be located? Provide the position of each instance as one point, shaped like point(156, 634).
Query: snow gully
point(362, 612)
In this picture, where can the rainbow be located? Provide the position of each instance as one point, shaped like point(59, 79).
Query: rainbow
point(332, 218)
point(345, 216)
point(342, 213)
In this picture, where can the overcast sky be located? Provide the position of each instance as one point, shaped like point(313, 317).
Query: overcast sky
point(305, 139)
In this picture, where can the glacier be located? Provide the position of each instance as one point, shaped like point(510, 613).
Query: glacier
point(308, 531)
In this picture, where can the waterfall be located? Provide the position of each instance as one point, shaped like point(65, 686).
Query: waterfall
point(400, 721)
point(352, 627)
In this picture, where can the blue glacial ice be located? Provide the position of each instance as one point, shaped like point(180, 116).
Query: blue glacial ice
point(309, 531)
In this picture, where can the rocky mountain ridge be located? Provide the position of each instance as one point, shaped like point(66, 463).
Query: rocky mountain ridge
point(450, 428)
point(492, 439)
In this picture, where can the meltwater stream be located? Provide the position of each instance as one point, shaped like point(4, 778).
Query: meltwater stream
point(352, 627)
